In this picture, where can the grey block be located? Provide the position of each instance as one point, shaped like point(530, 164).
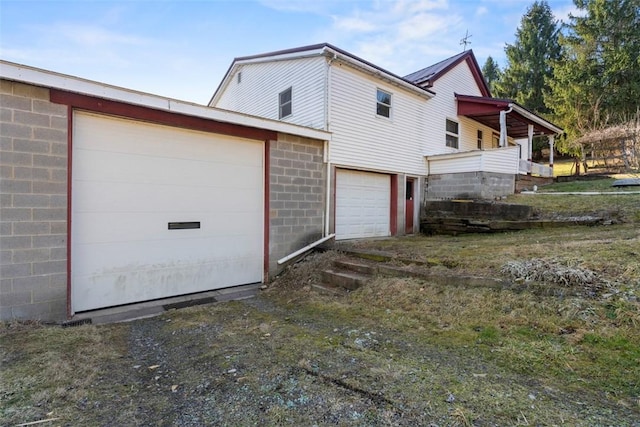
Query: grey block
point(15, 102)
point(49, 161)
point(15, 186)
point(49, 267)
point(15, 214)
point(12, 271)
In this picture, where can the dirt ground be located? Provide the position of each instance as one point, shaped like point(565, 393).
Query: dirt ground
point(294, 357)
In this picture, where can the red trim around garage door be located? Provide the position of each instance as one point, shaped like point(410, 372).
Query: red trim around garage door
point(138, 112)
point(394, 205)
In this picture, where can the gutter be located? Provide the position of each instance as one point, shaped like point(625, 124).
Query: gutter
point(528, 114)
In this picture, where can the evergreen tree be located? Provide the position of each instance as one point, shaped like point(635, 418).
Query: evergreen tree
point(596, 82)
point(491, 72)
point(530, 59)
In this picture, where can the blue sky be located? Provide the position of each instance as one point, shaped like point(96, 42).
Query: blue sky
point(181, 49)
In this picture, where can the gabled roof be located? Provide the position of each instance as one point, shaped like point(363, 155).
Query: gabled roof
point(427, 76)
point(328, 50)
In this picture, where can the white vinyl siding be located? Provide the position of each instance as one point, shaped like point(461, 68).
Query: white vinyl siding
point(503, 160)
point(444, 105)
point(361, 138)
point(257, 93)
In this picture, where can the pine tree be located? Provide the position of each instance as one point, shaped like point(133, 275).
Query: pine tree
point(530, 59)
point(596, 81)
point(491, 72)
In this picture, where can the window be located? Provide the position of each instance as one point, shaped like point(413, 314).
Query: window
point(239, 76)
point(452, 134)
point(285, 104)
point(383, 103)
point(479, 140)
point(495, 140)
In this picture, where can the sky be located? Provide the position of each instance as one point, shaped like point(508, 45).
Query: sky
point(182, 49)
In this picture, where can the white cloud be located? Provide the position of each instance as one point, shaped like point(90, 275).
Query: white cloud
point(481, 11)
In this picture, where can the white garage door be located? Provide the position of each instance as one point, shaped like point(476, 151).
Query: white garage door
point(159, 211)
point(363, 204)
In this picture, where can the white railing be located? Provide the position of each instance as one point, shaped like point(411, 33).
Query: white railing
point(500, 160)
point(526, 167)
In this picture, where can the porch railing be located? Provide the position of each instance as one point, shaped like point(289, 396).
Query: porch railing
point(526, 166)
point(500, 160)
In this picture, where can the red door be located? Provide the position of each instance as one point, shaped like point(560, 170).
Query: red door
point(408, 210)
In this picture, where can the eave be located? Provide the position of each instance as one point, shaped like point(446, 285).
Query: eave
point(486, 110)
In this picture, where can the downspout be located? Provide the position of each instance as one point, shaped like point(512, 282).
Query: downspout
point(327, 160)
point(327, 148)
point(503, 126)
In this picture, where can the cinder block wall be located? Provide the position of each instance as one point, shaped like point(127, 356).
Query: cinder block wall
point(33, 204)
point(469, 185)
point(296, 196)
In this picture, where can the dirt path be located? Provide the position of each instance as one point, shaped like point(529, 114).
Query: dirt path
point(268, 362)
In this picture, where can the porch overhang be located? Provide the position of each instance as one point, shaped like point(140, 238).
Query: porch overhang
point(487, 110)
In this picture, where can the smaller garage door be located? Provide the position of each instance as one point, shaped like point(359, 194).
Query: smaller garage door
point(363, 204)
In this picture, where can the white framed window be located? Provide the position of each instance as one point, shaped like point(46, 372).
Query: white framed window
point(383, 103)
point(495, 140)
point(239, 76)
point(451, 134)
point(284, 103)
point(479, 140)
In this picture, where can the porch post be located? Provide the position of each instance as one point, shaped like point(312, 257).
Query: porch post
point(503, 128)
point(530, 143)
point(551, 141)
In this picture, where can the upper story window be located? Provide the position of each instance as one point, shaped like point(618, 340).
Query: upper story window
point(383, 103)
point(239, 76)
point(452, 134)
point(479, 140)
point(284, 109)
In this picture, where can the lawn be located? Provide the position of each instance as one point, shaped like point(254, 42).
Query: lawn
point(555, 341)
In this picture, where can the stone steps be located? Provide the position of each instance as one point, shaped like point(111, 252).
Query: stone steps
point(345, 276)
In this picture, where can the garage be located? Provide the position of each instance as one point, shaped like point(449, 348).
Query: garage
point(159, 211)
point(363, 204)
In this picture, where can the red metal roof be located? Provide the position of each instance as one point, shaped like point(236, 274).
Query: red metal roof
point(486, 110)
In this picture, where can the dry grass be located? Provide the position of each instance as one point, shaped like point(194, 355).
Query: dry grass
point(46, 370)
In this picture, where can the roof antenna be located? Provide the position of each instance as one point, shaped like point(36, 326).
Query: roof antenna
point(465, 40)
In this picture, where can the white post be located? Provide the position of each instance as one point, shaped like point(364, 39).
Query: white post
point(503, 128)
point(530, 143)
point(551, 141)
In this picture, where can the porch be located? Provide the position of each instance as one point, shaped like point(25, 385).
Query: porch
point(515, 122)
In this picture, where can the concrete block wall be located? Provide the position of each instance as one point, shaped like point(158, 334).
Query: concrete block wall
point(469, 185)
point(296, 196)
point(33, 204)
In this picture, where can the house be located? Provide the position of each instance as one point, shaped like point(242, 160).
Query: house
point(436, 133)
point(112, 197)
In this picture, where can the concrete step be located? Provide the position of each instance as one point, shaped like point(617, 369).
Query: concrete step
point(353, 266)
point(342, 279)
